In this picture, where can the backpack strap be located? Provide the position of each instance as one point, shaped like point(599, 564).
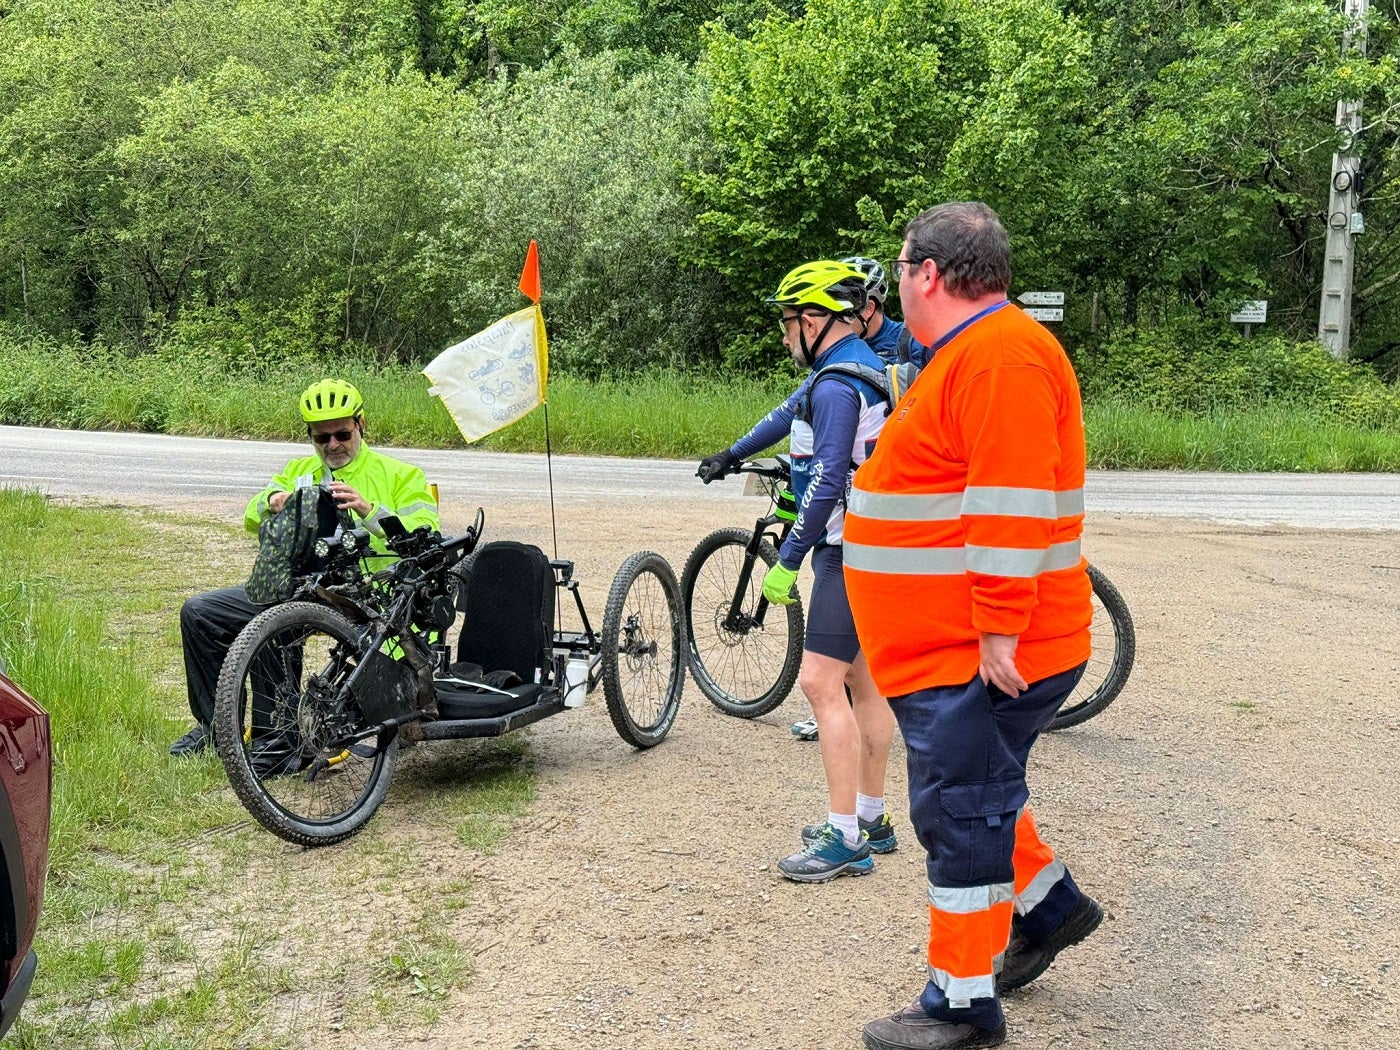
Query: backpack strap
point(846, 371)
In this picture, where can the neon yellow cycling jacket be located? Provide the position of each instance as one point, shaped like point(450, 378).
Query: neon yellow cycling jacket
point(391, 486)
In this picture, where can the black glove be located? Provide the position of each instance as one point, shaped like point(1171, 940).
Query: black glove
point(712, 468)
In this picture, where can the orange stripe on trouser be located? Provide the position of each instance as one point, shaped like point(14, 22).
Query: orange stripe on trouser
point(1031, 856)
point(966, 944)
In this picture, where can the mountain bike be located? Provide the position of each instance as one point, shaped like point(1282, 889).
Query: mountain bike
point(316, 692)
point(744, 654)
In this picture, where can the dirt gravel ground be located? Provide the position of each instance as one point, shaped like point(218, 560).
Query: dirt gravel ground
point(1234, 812)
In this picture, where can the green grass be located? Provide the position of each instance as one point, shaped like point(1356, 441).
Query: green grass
point(658, 415)
point(1272, 437)
point(667, 415)
point(171, 920)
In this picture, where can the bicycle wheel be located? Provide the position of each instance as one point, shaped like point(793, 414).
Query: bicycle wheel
point(746, 664)
point(281, 726)
point(642, 668)
point(1115, 646)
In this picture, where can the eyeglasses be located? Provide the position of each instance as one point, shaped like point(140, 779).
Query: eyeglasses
point(901, 265)
point(341, 436)
point(787, 319)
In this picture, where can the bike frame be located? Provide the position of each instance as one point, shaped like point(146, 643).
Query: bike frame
point(737, 620)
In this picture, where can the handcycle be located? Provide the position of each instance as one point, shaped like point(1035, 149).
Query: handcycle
point(317, 692)
point(745, 654)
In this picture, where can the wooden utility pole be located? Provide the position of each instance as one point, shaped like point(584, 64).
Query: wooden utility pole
point(1344, 220)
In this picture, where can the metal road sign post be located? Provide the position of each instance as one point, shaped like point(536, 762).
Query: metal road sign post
point(1043, 306)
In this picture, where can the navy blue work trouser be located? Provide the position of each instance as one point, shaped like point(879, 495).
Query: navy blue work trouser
point(967, 747)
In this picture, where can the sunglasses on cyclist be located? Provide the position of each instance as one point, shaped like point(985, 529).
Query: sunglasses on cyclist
point(342, 436)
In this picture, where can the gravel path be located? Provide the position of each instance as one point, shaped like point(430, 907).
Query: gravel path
point(1233, 811)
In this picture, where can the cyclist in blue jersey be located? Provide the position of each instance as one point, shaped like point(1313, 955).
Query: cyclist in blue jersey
point(886, 336)
point(890, 341)
point(833, 427)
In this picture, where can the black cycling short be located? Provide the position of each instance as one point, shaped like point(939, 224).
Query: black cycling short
point(831, 630)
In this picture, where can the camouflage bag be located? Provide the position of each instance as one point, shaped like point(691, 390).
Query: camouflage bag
point(287, 543)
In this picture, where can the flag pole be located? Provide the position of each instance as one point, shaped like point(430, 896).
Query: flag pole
point(549, 466)
point(530, 287)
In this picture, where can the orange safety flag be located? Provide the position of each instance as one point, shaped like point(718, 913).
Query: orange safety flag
point(493, 378)
point(530, 275)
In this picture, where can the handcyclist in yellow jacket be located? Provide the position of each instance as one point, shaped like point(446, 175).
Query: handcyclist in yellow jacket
point(367, 484)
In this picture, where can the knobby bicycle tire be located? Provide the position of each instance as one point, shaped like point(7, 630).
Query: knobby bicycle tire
point(1107, 672)
point(643, 667)
point(746, 672)
point(273, 714)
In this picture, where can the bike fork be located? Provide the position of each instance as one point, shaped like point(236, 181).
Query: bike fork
point(738, 620)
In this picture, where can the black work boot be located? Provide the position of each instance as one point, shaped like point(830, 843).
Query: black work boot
point(192, 743)
point(912, 1029)
point(1025, 961)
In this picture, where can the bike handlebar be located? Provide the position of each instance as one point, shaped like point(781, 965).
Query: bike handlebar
point(781, 471)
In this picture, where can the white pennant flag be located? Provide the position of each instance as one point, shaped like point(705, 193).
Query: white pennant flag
point(495, 377)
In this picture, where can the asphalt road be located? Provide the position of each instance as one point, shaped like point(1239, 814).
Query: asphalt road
point(156, 468)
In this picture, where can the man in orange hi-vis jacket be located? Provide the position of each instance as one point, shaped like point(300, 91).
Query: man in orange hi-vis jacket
point(971, 601)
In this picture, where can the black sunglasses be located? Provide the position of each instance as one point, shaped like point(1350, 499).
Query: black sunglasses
point(340, 435)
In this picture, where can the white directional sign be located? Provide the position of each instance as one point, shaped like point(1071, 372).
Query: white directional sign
point(1252, 311)
point(1042, 313)
point(1042, 299)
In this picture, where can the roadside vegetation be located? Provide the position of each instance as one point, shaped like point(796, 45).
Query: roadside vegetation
point(1263, 404)
point(208, 203)
point(170, 921)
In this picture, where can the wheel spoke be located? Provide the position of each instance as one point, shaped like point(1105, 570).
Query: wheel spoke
point(743, 667)
point(282, 719)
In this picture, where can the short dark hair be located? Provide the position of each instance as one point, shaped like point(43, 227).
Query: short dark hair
point(968, 244)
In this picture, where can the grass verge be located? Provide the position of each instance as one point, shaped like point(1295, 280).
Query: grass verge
point(1272, 437)
point(170, 919)
point(667, 415)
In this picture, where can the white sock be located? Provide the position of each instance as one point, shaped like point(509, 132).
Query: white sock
point(868, 809)
point(846, 824)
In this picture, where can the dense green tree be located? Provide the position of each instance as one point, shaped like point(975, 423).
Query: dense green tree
point(330, 173)
point(74, 81)
point(585, 159)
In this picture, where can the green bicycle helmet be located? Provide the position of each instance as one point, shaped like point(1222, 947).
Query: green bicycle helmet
point(877, 284)
point(330, 399)
point(835, 287)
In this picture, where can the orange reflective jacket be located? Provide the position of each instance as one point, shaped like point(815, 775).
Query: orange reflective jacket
point(967, 516)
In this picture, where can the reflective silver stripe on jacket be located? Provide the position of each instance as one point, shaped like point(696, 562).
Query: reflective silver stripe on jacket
point(1016, 561)
point(960, 990)
point(1042, 884)
point(954, 561)
point(976, 499)
point(967, 900)
point(373, 522)
point(917, 506)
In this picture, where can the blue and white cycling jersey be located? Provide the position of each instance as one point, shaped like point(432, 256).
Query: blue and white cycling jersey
point(885, 343)
point(777, 424)
point(836, 436)
point(845, 419)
